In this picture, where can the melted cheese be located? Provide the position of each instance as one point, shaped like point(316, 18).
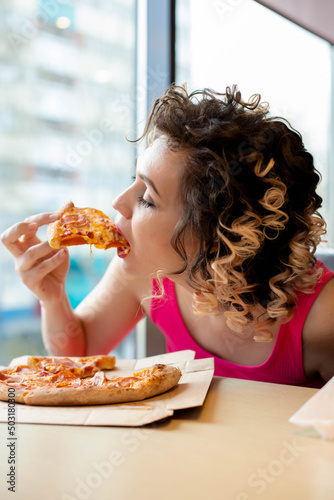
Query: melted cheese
point(93, 226)
point(31, 378)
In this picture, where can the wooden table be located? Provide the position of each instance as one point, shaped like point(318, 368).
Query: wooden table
point(238, 446)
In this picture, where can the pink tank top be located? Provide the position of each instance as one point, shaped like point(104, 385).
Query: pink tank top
point(285, 363)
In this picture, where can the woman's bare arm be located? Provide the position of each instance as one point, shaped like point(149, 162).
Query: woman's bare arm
point(104, 318)
point(112, 309)
point(318, 335)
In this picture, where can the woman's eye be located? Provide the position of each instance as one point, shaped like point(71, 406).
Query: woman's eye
point(145, 203)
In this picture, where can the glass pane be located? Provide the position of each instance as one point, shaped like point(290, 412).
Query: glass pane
point(67, 73)
point(241, 42)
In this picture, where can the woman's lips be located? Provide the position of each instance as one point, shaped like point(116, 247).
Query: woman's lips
point(122, 252)
point(120, 232)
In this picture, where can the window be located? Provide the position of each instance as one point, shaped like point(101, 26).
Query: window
point(67, 78)
point(241, 42)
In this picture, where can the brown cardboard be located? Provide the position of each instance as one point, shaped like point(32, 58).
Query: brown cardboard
point(190, 392)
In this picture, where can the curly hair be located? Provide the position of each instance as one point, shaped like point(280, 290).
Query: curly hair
point(248, 191)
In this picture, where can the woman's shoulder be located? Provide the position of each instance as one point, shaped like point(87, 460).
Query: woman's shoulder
point(318, 331)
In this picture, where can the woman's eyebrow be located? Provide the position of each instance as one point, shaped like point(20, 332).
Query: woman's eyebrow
point(146, 179)
point(149, 182)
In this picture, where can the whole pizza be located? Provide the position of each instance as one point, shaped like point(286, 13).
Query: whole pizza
point(57, 381)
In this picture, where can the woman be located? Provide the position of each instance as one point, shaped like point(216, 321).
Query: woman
point(222, 223)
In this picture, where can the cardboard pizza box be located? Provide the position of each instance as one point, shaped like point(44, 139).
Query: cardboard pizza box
point(190, 392)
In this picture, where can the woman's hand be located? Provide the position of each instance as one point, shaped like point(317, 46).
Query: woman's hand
point(42, 269)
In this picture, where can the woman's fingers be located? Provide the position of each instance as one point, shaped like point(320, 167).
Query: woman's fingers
point(33, 277)
point(21, 236)
point(42, 269)
point(11, 237)
point(41, 219)
point(33, 256)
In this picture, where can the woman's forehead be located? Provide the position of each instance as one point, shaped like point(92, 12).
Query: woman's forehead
point(159, 157)
point(159, 147)
point(162, 167)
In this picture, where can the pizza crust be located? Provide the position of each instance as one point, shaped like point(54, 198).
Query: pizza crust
point(78, 396)
point(159, 379)
point(54, 234)
point(19, 393)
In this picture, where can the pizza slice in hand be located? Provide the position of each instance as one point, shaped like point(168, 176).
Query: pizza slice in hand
point(81, 226)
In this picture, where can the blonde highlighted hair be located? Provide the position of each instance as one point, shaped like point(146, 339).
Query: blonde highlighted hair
point(248, 191)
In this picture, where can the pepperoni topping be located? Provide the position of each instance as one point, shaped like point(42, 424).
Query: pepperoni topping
point(76, 220)
point(60, 361)
point(30, 378)
point(63, 376)
point(99, 378)
point(126, 382)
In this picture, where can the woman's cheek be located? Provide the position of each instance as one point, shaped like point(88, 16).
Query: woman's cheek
point(153, 230)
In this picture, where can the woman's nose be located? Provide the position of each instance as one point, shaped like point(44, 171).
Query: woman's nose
point(122, 204)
